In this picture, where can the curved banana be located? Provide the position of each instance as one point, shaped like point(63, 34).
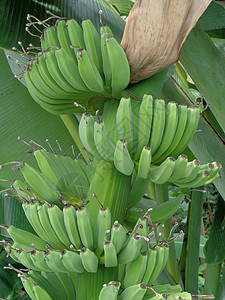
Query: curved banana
point(103, 141)
point(134, 292)
point(169, 131)
point(110, 255)
point(119, 65)
point(180, 168)
point(72, 261)
point(89, 72)
point(89, 260)
point(103, 225)
point(144, 163)
point(145, 124)
point(110, 291)
point(85, 227)
point(50, 38)
point(92, 43)
point(64, 38)
point(131, 250)
point(162, 173)
point(76, 35)
point(122, 159)
point(136, 270)
point(125, 123)
point(151, 254)
point(158, 125)
point(118, 236)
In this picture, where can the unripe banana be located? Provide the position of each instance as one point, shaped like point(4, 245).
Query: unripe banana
point(89, 260)
point(86, 133)
point(109, 291)
point(70, 221)
point(103, 225)
point(40, 293)
point(136, 270)
point(50, 38)
point(159, 264)
point(158, 124)
point(162, 173)
point(76, 35)
point(57, 222)
point(118, 236)
point(144, 163)
point(179, 168)
point(54, 261)
point(145, 123)
point(125, 123)
point(85, 227)
point(122, 159)
point(89, 72)
point(110, 255)
point(64, 39)
point(39, 260)
point(118, 61)
point(134, 292)
point(130, 250)
point(151, 253)
point(92, 43)
point(72, 261)
point(25, 259)
point(103, 141)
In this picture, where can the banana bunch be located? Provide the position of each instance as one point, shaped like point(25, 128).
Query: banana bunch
point(138, 292)
point(49, 285)
point(61, 177)
point(77, 65)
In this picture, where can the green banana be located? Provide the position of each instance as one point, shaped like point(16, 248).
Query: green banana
point(57, 222)
point(51, 279)
point(89, 260)
point(25, 238)
point(110, 255)
point(54, 261)
point(86, 133)
point(159, 264)
point(92, 43)
point(25, 259)
point(134, 292)
point(76, 35)
point(169, 131)
point(136, 270)
point(151, 260)
point(144, 124)
point(39, 260)
point(144, 163)
point(109, 291)
point(180, 168)
point(85, 227)
point(28, 286)
point(122, 159)
point(191, 172)
point(118, 236)
point(68, 285)
point(158, 125)
point(103, 141)
point(50, 38)
point(124, 122)
point(103, 225)
point(89, 72)
point(138, 189)
point(72, 261)
point(193, 115)
point(69, 70)
point(38, 182)
point(40, 293)
point(131, 250)
point(120, 70)
point(64, 39)
point(46, 224)
point(105, 33)
point(70, 222)
point(162, 173)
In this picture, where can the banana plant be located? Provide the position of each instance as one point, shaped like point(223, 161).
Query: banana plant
point(131, 140)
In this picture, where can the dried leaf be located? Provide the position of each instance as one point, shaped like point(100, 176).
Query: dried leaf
point(155, 32)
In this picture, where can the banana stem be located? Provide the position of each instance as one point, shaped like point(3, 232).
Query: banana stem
point(193, 244)
point(151, 190)
point(88, 285)
point(212, 279)
point(111, 187)
point(73, 127)
point(172, 265)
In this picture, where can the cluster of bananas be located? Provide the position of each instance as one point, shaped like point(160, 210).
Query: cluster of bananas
point(76, 65)
point(138, 138)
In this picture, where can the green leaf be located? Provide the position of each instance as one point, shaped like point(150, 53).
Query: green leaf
point(123, 6)
point(206, 66)
point(10, 283)
point(220, 44)
point(12, 213)
point(21, 116)
point(215, 246)
point(13, 19)
point(206, 144)
point(213, 17)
